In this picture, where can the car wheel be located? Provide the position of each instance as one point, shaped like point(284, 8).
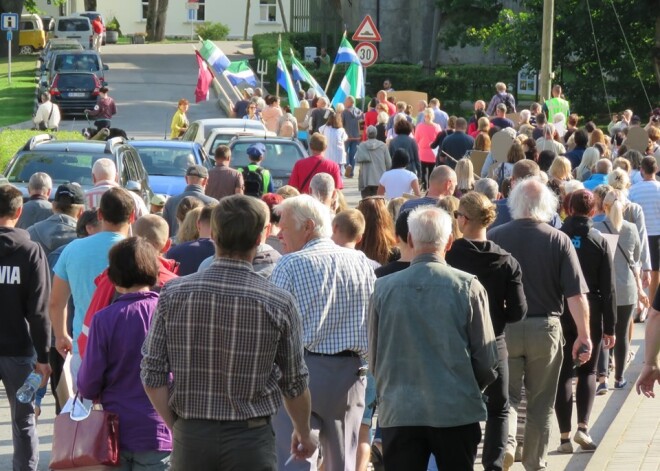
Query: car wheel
point(26, 50)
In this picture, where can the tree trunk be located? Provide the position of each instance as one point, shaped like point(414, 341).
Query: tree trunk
point(161, 17)
point(152, 12)
point(10, 6)
point(90, 5)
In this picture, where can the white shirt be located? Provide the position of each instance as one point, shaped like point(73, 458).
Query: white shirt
point(397, 182)
point(336, 138)
point(43, 112)
point(647, 195)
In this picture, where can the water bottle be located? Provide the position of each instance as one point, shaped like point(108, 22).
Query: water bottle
point(26, 393)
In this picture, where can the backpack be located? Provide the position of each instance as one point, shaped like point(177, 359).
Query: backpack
point(253, 182)
point(509, 104)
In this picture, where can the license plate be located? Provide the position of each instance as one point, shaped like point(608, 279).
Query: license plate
point(77, 95)
point(278, 183)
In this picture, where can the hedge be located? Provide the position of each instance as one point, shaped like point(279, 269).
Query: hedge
point(451, 84)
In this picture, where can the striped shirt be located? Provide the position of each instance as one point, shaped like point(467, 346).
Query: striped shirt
point(647, 195)
point(93, 198)
point(331, 286)
point(232, 341)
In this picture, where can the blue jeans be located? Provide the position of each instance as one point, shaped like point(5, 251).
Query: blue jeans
point(144, 461)
point(351, 149)
point(13, 371)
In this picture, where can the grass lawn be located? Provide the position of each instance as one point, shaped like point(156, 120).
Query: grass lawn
point(12, 140)
point(17, 99)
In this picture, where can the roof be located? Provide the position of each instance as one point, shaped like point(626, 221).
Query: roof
point(167, 144)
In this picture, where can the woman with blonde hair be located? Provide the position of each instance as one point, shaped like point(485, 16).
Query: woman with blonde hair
point(589, 158)
point(425, 134)
point(450, 204)
point(188, 228)
point(500, 274)
point(378, 241)
point(464, 177)
point(558, 174)
point(627, 257)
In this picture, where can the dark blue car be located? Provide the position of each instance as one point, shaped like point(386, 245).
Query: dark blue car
point(166, 163)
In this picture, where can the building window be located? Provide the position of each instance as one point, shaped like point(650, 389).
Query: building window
point(201, 12)
point(145, 9)
point(268, 10)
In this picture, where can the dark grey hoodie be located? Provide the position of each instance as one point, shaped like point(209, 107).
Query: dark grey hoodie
point(51, 233)
point(24, 291)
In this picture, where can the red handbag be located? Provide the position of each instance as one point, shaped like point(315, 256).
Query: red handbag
point(93, 441)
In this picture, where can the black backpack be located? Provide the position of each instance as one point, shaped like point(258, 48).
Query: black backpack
point(509, 103)
point(253, 182)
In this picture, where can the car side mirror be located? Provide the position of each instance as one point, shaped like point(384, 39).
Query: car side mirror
point(105, 67)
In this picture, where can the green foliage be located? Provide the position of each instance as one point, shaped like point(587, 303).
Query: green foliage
point(113, 25)
point(31, 5)
point(11, 140)
point(516, 35)
point(16, 100)
point(212, 31)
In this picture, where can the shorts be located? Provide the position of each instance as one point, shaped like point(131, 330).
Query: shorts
point(369, 400)
point(654, 251)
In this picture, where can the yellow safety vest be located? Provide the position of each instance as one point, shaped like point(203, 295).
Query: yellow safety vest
point(556, 105)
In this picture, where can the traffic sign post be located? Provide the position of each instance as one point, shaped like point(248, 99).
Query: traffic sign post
point(192, 16)
point(367, 31)
point(9, 23)
point(367, 53)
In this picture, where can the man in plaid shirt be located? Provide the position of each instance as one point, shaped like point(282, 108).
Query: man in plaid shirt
point(233, 342)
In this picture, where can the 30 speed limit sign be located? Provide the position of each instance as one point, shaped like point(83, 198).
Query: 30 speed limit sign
point(367, 53)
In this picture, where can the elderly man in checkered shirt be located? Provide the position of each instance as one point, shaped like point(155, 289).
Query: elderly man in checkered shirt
point(233, 343)
point(331, 286)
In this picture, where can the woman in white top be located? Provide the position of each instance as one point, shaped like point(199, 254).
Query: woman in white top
point(334, 132)
point(394, 183)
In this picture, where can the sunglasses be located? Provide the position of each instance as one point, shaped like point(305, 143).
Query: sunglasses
point(458, 213)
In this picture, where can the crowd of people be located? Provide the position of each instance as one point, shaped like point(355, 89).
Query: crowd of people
point(242, 331)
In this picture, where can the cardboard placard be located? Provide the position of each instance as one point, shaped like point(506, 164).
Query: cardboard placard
point(478, 158)
point(411, 97)
point(638, 139)
point(500, 145)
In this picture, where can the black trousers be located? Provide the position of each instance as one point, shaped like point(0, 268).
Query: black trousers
point(497, 425)
point(409, 448)
point(223, 445)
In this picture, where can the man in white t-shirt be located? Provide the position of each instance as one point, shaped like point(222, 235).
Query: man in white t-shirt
point(48, 115)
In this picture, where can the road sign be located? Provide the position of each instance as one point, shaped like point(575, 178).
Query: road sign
point(367, 53)
point(367, 31)
point(10, 35)
point(9, 21)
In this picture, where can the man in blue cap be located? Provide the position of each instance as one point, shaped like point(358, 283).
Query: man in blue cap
point(256, 179)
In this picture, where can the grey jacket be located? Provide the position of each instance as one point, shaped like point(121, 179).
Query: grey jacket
point(34, 210)
point(629, 243)
point(57, 230)
point(374, 160)
point(431, 358)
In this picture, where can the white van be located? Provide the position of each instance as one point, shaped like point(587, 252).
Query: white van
point(74, 27)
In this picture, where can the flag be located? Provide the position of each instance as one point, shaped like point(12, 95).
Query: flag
point(238, 72)
point(204, 79)
point(352, 84)
point(346, 53)
point(214, 56)
point(284, 79)
point(300, 73)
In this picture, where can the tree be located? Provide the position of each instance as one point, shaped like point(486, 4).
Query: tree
point(156, 17)
point(10, 6)
point(516, 35)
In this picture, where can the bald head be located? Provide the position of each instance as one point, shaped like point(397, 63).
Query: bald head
point(442, 181)
point(104, 169)
point(154, 229)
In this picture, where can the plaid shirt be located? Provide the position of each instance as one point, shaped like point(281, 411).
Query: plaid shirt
point(230, 338)
point(331, 286)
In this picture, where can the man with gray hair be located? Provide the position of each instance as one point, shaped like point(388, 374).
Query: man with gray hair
point(599, 177)
point(431, 365)
point(104, 176)
point(37, 208)
point(547, 142)
point(322, 187)
point(374, 159)
point(500, 120)
point(331, 286)
point(501, 97)
point(551, 275)
point(488, 188)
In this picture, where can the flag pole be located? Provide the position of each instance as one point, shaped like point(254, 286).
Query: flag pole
point(332, 71)
point(279, 47)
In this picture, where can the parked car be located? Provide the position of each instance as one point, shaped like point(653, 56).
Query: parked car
point(91, 15)
point(31, 36)
point(54, 45)
point(72, 61)
point(72, 161)
point(74, 27)
point(222, 136)
point(166, 163)
point(75, 92)
point(281, 155)
point(199, 130)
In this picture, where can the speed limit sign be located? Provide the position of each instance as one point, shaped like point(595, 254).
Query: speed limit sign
point(367, 53)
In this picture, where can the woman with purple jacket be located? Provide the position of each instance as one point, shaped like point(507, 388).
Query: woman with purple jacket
point(110, 371)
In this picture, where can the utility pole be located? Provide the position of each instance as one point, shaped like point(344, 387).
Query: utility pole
point(546, 76)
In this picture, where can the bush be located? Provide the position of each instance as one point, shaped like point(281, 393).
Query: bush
point(113, 26)
point(212, 31)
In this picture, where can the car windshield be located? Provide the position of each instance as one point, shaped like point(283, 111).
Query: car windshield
point(166, 162)
point(73, 24)
point(62, 167)
point(280, 156)
point(87, 62)
point(219, 140)
point(77, 81)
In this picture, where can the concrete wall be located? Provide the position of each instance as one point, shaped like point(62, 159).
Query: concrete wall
point(229, 12)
